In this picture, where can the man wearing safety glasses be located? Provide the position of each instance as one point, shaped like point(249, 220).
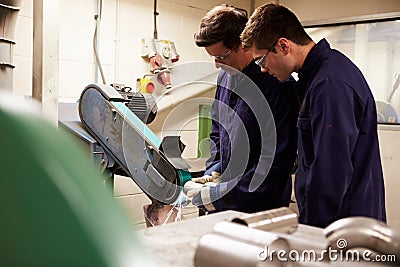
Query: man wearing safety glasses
point(340, 173)
point(235, 122)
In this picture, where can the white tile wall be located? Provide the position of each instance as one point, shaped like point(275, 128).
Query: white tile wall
point(23, 69)
point(22, 76)
point(26, 8)
point(123, 25)
point(72, 88)
point(136, 18)
point(133, 204)
point(75, 46)
point(389, 137)
point(23, 28)
point(125, 186)
point(184, 115)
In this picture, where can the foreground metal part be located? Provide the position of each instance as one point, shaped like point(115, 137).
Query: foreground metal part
point(246, 240)
point(176, 244)
point(282, 220)
point(362, 232)
point(232, 244)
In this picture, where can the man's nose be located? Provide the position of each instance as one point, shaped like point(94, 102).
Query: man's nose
point(264, 69)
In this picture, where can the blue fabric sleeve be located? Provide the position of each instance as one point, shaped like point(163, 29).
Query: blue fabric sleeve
point(214, 168)
point(334, 136)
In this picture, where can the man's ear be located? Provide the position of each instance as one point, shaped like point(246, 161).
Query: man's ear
point(284, 45)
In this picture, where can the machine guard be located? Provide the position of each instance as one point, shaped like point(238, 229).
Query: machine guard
point(104, 113)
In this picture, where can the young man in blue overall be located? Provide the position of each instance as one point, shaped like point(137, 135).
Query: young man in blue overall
point(340, 172)
point(238, 115)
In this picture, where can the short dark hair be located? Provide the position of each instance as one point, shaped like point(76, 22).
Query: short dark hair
point(222, 23)
point(270, 22)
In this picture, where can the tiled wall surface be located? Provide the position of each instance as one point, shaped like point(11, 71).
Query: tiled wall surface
point(23, 50)
point(123, 25)
point(389, 138)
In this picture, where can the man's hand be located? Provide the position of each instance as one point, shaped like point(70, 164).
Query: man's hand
point(191, 188)
point(207, 195)
point(204, 179)
point(214, 177)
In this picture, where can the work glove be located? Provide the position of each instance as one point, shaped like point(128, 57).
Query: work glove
point(213, 178)
point(207, 196)
point(206, 191)
point(193, 187)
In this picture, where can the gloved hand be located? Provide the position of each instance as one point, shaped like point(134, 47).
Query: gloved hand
point(213, 168)
point(191, 188)
point(207, 196)
point(208, 178)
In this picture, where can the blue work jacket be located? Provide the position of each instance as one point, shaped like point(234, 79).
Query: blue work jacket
point(229, 112)
point(340, 172)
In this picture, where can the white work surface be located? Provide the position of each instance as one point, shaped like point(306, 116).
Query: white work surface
point(174, 244)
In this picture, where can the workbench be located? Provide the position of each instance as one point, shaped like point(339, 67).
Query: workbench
point(175, 244)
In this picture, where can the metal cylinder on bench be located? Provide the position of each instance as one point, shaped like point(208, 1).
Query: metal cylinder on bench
point(282, 220)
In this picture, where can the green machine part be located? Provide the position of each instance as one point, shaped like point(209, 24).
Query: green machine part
point(203, 138)
point(55, 209)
